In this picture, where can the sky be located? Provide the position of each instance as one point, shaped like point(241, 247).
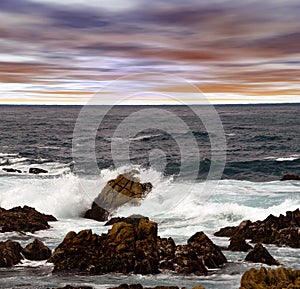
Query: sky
point(67, 52)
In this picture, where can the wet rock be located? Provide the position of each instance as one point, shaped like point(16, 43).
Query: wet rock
point(239, 244)
point(126, 188)
point(206, 249)
point(11, 170)
point(37, 171)
point(36, 251)
point(96, 213)
point(271, 278)
point(24, 219)
point(186, 261)
point(261, 255)
point(281, 231)
point(166, 251)
point(128, 247)
point(289, 177)
point(10, 253)
point(139, 286)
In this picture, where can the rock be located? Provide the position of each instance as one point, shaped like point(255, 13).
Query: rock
point(37, 171)
point(280, 231)
point(289, 177)
point(186, 261)
point(128, 247)
point(261, 255)
point(166, 252)
point(126, 188)
point(24, 219)
point(239, 244)
point(10, 253)
point(97, 213)
point(206, 249)
point(271, 278)
point(36, 251)
point(11, 170)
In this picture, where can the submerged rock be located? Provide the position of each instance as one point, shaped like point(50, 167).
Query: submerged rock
point(36, 251)
point(37, 171)
point(10, 253)
point(11, 170)
point(261, 255)
point(24, 219)
point(132, 246)
point(126, 188)
point(289, 177)
point(271, 278)
point(281, 231)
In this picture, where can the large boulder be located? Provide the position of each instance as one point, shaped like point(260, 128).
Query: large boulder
point(36, 251)
point(10, 253)
point(126, 188)
point(24, 219)
point(290, 177)
point(271, 278)
point(127, 247)
point(280, 231)
point(261, 255)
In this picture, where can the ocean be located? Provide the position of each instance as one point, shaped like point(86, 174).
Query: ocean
point(261, 145)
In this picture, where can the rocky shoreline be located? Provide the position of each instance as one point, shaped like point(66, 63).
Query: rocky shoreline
point(132, 244)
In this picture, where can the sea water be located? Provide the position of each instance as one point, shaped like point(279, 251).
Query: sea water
point(262, 145)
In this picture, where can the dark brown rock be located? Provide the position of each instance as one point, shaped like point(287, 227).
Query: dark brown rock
point(24, 219)
point(239, 244)
point(97, 213)
point(127, 247)
point(271, 278)
point(289, 177)
point(10, 253)
point(261, 255)
point(281, 231)
point(206, 249)
point(36, 251)
point(37, 171)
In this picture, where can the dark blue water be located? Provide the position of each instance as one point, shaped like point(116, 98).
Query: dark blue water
point(262, 140)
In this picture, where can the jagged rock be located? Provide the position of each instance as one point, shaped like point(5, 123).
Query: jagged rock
point(37, 171)
point(11, 170)
point(271, 279)
point(132, 246)
point(10, 253)
point(281, 231)
point(127, 247)
point(96, 213)
point(186, 261)
point(261, 255)
point(289, 177)
point(166, 251)
point(206, 249)
point(36, 251)
point(239, 244)
point(24, 219)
